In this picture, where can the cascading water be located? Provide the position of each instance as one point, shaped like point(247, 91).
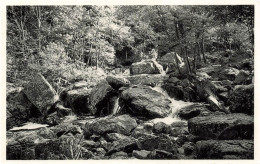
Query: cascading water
point(116, 106)
point(175, 106)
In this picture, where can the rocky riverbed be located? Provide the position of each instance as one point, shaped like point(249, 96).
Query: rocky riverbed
point(146, 115)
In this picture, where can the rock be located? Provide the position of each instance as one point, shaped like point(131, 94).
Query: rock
point(99, 152)
point(99, 99)
point(229, 126)
point(119, 155)
point(228, 74)
point(242, 77)
point(207, 93)
point(161, 127)
point(88, 144)
point(86, 154)
point(174, 91)
point(146, 67)
point(53, 119)
point(161, 154)
point(212, 70)
point(226, 149)
point(122, 124)
point(161, 142)
point(218, 87)
point(224, 96)
point(19, 109)
point(143, 101)
point(142, 130)
point(174, 80)
point(127, 145)
point(171, 60)
point(76, 99)
point(189, 148)
point(242, 99)
point(62, 111)
point(41, 93)
point(147, 79)
point(193, 110)
point(117, 82)
point(142, 154)
point(115, 136)
point(80, 84)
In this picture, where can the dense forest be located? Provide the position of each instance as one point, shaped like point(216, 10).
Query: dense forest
point(105, 78)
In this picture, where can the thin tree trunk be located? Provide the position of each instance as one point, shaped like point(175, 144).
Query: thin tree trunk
point(195, 57)
point(203, 49)
point(187, 59)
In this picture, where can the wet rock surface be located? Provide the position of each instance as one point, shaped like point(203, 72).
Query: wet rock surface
point(144, 101)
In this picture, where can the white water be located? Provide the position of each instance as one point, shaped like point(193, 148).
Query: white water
point(116, 106)
point(175, 106)
point(29, 126)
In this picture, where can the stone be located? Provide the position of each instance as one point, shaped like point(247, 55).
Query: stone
point(228, 74)
point(161, 154)
point(161, 127)
point(242, 77)
point(99, 99)
point(189, 148)
point(173, 91)
point(127, 145)
point(140, 154)
point(115, 136)
point(88, 144)
point(62, 111)
point(76, 99)
point(146, 67)
point(193, 110)
point(117, 82)
point(161, 142)
point(222, 126)
point(19, 109)
point(119, 155)
point(41, 93)
point(53, 119)
point(242, 99)
point(122, 124)
point(225, 149)
point(147, 79)
point(143, 101)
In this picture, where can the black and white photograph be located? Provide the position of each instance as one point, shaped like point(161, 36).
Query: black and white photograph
point(129, 82)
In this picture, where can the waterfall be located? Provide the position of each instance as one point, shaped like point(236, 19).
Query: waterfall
point(116, 106)
point(175, 105)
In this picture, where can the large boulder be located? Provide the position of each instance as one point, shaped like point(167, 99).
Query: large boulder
point(117, 82)
point(242, 99)
point(126, 144)
point(146, 67)
point(102, 99)
point(122, 124)
point(225, 149)
point(161, 142)
point(41, 93)
point(144, 101)
point(77, 99)
point(18, 107)
point(193, 110)
point(145, 79)
point(222, 126)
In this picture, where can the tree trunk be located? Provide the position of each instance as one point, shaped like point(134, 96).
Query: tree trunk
point(203, 49)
